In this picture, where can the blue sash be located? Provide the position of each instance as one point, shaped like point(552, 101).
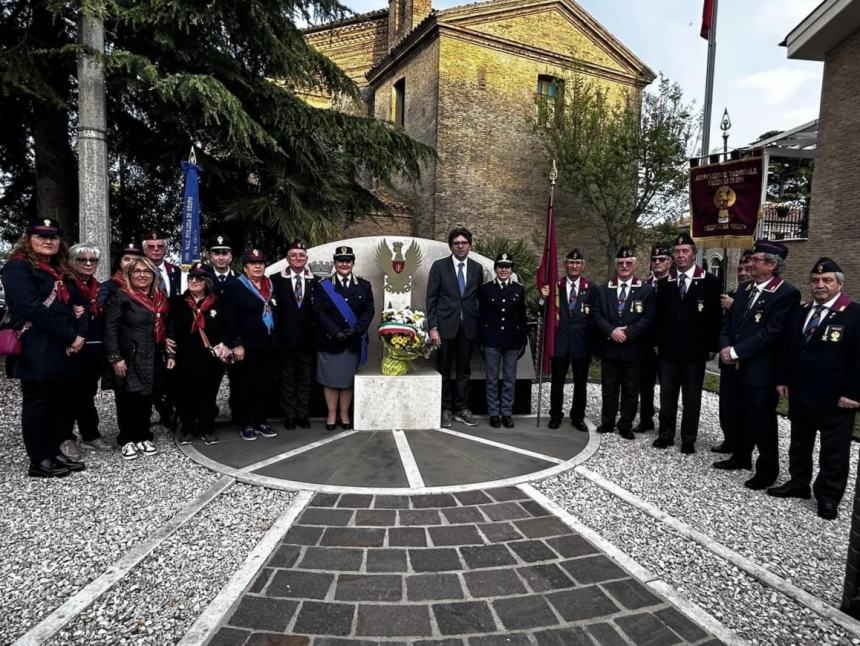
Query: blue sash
point(346, 312)
point(268, 319)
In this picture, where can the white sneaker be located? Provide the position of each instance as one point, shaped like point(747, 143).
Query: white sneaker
point(146, 447)
point(129, 451)
point(69, 448)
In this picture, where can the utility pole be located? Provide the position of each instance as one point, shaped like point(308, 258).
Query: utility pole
point(709, 83)
point(93, 219)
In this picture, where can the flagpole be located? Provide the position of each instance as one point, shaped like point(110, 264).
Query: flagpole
point(709, 82)
point(553, 175)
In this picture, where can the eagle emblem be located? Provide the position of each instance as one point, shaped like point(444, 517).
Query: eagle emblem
point(402, 264)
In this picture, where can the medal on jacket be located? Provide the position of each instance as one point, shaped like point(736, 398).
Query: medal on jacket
point(757, 317)
point(701, 306)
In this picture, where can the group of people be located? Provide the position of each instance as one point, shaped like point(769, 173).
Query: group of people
point(159, 345)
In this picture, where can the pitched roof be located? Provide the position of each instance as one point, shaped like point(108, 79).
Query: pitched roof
point(351, 20)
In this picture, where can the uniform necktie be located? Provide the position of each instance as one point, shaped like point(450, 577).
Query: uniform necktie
point(298, 290)
point(571, 303)
point(163, 282)
point(682, 284)
point(813, 324)
point(222, 278)
point(461, 278)
point(346, 283)
point(622, 298)
point(753, 297)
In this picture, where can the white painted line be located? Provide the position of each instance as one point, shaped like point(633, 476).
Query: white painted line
point(79, 602)
point(288, 454)
point(500, 445)
point(740, 561)
point(413, 474)
point(696, 613)
point(209, 621)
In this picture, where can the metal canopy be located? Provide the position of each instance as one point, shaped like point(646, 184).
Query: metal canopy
point(799, 142)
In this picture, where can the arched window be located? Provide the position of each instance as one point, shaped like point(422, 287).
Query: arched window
point(715, 266)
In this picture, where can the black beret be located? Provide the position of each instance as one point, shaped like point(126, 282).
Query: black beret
point(574, 254)
point(625, 252)
point(825, 265)
point(774, 248)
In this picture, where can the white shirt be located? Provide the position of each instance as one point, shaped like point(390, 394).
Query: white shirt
point(623, 284)
point(226, 275)
point(827, 307)
point(465, 262)
point(689, 274)
point(339, 279)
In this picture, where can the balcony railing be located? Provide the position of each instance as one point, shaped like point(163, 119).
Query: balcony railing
point(784, 221)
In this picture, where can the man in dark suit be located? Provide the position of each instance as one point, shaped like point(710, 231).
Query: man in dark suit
point(661, 263)
point(730, 421)
point(623, 314)
point(818, 372)
point(749, 341)
point(293, 288)
point(573, 340)
point(221, 261)
point(452, 314)
point(688, 335)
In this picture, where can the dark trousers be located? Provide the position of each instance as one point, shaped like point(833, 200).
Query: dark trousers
point(164, 398)
point(836, 426)
point(758, 410)
point(686, 377)
point(86, 387)
point(619, 382)
point(455, 353)
point(650, 372)
point(235, 399)
point(559, 367)
point(132, 416)
point(197, 396)
point(296, 374)
point(45, 412)
point(254, 377)
point(730, 405)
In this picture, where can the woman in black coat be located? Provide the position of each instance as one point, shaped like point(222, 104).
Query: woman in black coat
point(249, 310)
point(136, 346)
point(197, 324)
point(40, 296)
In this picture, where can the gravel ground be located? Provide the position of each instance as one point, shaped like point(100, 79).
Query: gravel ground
point(160, 598)
point(784, 536)
point(58, 535)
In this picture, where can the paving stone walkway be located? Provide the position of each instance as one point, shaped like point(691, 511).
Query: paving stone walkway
point(478, 568)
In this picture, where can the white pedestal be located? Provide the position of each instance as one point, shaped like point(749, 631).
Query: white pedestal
point(411, 402)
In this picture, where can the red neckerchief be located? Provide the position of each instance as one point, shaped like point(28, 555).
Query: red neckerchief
point(265, 288)
point(158, 305)
point(118, 279)
point(199, 322)
point(55, 273)
point(91, 294)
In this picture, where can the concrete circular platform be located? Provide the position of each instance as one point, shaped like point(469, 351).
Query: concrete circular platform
point(461, 458)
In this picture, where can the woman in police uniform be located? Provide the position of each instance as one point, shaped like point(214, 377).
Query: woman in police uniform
point(343, 307)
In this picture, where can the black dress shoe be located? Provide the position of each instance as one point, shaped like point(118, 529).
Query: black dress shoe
point(722, 448)
point(688, 449)
point(662, 443)
point(495, 421)
point(330, 427)
point(627, 435)
point(289, 424)
point(71, 465)
point(789, 490)
point(827, 510)
point(507, 421)
point(643, 428)
point(554, 422)
point(603, 428)
point(732, 465)
point(303, 422)
point(47, 469)
point(347, 426)
point(757, 483)
point(579, 425)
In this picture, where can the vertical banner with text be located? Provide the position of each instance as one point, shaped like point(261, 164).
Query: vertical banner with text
point(190, 216)
point(725, 200)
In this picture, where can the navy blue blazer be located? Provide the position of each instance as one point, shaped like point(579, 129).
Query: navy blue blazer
point(502, 316)
point(688, 329)
point(637, 316)
point(243, 317)
point(446, 308)
point(574, 336)
point(296, 325)
point(218, 286)
point(755, 333)
point(359, 297)
point(827, 367)
point(54, 328)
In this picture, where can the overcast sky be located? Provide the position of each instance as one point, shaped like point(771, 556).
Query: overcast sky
point(762, 89)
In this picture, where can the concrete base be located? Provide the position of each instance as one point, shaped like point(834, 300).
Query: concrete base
point(411, 402)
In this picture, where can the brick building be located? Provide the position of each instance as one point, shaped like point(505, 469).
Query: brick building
point(831, 33)
point(471, 82)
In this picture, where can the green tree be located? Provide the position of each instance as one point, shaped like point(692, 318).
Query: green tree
point(222, 75)
point(624, 160)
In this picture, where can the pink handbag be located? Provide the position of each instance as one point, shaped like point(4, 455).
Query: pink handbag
point(10, 343)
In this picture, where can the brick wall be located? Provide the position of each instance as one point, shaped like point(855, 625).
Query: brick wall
point(834, 229)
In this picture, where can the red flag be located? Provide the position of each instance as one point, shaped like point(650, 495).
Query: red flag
point(707, 19)
point(548, 275)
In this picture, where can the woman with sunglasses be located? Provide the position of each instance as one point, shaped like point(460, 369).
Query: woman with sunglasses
point(197, 322)
point(41, 297)
point(136, 346)
point(85, 258)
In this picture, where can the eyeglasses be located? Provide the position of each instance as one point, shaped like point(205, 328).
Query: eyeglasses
point(624, 263)
point(190, 278)
point(87, 261)
point(140, 272)
point(154, 245)
point(461, 243)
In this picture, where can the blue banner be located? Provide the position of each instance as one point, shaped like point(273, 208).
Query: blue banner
point(190, 216)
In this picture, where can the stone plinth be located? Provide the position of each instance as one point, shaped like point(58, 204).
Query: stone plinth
point(410, 402)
